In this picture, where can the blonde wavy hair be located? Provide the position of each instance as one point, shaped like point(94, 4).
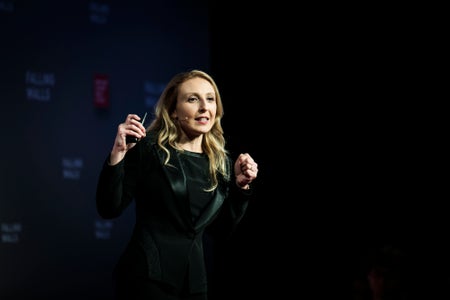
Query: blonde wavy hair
point(167, 131)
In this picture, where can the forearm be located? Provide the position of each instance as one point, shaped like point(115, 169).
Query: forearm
point(239, 201)
point(110, 198)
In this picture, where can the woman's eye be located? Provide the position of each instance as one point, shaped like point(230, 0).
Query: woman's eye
point(210, 99)
point(192, 99)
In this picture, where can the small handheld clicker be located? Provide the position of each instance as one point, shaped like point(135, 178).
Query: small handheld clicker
point(133, 139)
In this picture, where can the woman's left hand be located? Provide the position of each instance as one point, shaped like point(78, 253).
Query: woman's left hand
point(246, 170)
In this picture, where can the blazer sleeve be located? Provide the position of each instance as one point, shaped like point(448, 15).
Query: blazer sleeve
point(116, 185)
point(233, 209)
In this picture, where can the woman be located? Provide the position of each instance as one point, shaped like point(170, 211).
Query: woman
point(181, 178)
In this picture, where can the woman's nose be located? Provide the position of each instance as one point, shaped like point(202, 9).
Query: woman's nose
point(203, 104)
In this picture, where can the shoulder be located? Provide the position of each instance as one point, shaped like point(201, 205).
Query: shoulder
point(145, 145)
point(151, 138)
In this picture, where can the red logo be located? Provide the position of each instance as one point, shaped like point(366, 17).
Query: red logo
point(101, 91)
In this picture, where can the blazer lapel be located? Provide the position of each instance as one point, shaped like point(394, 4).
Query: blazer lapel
point(177, 179)
point(210, 211)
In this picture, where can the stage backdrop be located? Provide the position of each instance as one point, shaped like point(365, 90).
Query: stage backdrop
point(70, 72)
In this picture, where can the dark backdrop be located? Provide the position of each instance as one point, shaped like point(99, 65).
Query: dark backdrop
point(335, 103)
point(70, 73)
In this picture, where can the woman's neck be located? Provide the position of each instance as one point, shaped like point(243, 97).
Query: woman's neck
point(194, 145)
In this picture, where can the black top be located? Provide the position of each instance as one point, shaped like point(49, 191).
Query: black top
point(196, 169)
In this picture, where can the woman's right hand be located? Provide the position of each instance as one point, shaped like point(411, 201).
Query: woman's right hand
point(131, 127)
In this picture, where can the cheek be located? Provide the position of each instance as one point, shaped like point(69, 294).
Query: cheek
point(213, 109)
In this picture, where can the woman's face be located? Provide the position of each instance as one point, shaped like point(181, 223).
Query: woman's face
point(196, 106)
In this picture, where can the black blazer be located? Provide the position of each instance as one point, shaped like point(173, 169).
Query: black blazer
point(166, 245)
